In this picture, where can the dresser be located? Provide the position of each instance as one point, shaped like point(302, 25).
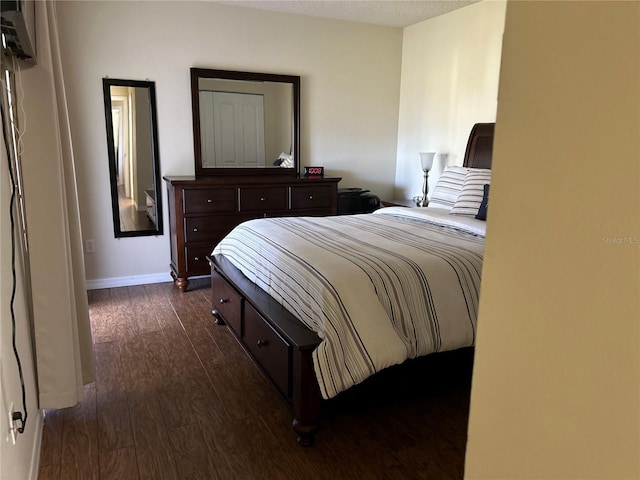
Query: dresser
point(203, 210)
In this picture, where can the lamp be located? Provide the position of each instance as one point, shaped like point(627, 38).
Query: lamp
point(426, 161)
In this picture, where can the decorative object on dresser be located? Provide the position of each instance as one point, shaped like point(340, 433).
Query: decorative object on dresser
point(353, 296)
point(426, 162)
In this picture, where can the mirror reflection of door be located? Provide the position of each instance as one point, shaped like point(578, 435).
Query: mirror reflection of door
point(243, 123)
point(232, 129)
point(130, 111)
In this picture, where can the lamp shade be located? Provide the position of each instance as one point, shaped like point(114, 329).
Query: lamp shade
point(426, 160)
point(440, 162)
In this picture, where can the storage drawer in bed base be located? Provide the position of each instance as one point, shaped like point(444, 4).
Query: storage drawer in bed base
point(276, 340)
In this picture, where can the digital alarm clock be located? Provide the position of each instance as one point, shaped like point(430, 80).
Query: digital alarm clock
point(314, 171)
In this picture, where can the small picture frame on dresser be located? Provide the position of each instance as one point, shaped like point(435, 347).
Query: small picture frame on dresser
point(313, 172)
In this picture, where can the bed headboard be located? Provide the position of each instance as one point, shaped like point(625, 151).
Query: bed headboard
point(480, 146)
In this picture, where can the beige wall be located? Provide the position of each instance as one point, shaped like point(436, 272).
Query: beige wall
point(350, 88)
point(450, 70)
point(557, 371)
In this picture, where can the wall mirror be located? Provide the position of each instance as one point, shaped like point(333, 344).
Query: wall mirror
point(134, 167)
point(245, 123)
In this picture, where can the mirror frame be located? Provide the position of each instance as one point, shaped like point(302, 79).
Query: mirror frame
point(107, 83)
point(294, 80)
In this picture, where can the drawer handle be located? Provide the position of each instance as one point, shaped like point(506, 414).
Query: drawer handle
point(209, 200)
point(310, 197)
point(224, 300)
point(195, 229)
point(196, 258)
point(262, 343)
point(262, 199)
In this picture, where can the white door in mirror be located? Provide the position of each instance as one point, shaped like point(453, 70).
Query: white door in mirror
point(232, 129)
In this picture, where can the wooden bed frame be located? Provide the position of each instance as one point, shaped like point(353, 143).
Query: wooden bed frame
point(278, 342)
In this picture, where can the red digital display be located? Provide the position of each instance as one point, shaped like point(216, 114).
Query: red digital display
point(313, 171)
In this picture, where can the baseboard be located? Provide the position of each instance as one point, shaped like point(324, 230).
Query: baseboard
point(135, 280)
point(37, 445)
point(128, 281)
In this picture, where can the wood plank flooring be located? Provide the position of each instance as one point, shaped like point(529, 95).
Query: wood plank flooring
point(176, 397)
point(131, 218)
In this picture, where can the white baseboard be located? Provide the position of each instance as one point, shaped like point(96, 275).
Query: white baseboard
point(128, 281)
point(135, 280)
point(37, 445)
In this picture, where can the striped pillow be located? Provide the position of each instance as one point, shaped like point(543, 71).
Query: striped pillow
point(470, 197)
point(448, 187)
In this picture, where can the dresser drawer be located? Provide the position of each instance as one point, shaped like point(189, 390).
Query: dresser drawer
point(227, 302)
point(209, 229)
point(196, 258)
point(269, 349)
point(263, 199)
point(199, 200)
point(311, 196)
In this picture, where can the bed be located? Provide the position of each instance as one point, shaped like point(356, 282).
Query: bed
point(321, 304)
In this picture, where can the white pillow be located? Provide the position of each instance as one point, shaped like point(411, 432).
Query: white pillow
point(448, 187)
point(287, 160)
point(470, 198)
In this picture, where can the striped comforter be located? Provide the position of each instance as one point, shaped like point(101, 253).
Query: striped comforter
point(376, 288)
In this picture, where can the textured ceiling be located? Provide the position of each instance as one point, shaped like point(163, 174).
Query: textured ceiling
point(393, 13)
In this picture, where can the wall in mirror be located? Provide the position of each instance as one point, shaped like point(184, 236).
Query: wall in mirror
point(245, 122)
point(134, 167)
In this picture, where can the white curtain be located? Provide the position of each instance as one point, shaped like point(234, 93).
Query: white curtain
point(63, 348)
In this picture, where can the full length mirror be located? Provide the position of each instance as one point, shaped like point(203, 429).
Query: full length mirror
point(245, 122)
point(132, 141)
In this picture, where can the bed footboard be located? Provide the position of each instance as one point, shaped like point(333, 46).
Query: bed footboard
point(277, 341)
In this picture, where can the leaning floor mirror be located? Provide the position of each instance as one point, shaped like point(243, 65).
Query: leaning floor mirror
point(134, 167)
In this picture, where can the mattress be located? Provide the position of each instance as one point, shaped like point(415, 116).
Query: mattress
point(377, 288)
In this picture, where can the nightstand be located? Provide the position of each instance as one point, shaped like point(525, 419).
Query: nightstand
point(398, 203)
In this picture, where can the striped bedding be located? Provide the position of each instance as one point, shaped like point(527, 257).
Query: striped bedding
point(377, 288)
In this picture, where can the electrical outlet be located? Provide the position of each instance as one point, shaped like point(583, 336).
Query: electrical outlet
point(12, 426)
point(90, 246)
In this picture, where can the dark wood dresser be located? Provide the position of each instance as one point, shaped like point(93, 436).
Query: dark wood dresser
point(203, 210)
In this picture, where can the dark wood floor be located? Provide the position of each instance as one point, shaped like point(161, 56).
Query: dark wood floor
point(176, 397)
